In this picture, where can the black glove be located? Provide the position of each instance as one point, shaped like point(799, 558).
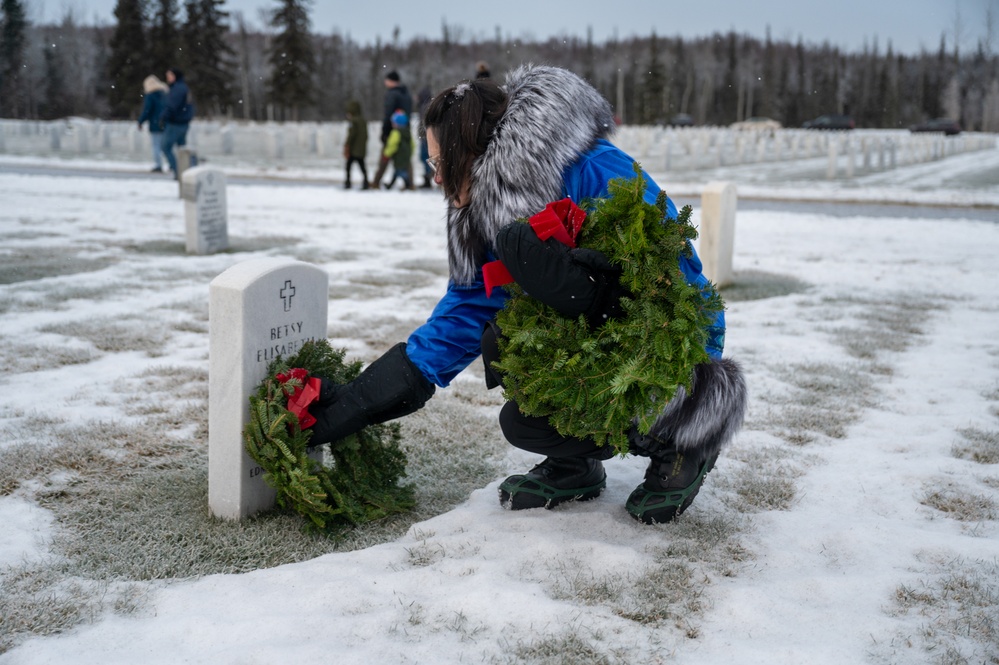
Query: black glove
point(571, 281)
point(390, 387)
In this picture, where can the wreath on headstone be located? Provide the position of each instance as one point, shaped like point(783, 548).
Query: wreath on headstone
point(359, 480)
point(599, 382)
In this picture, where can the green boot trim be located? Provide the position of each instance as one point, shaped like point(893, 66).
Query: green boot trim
point(520, 492)
point(661, 507)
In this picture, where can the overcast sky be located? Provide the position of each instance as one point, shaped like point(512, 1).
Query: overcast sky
point(908, 24)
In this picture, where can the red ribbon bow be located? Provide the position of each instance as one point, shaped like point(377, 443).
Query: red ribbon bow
point(561, 220)
point(299, 398)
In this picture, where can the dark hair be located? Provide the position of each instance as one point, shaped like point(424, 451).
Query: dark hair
point(177, 72)
point(393, 76)
point(464, 119)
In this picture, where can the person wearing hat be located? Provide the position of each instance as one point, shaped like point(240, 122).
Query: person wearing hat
point(397, 98)
point(399, 150)
point(355, 148)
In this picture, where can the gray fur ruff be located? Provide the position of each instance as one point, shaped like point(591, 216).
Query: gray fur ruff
point(703, 422)
point(552, 117)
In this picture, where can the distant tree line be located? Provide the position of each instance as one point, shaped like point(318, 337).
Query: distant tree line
point(288, 72)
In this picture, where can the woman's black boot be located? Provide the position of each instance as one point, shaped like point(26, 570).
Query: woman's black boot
point(554, 481)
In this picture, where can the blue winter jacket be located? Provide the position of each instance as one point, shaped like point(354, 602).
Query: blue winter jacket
point(152, 110)
point(179, 106)
point(450, 340)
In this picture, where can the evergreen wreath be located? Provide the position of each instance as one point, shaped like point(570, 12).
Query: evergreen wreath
point(598, 383)
point(361, 484)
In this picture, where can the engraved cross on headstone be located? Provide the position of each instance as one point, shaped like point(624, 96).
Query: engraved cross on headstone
point(288, 289)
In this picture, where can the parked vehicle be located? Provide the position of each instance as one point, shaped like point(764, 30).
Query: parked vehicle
point(681, 120)
point(945, 125)
point(830, 121)
point(757, 124)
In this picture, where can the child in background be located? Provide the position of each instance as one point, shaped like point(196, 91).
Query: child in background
point(399, 148)
point(355, 148)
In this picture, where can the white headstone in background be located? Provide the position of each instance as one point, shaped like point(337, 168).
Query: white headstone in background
point(717, 232)
point(187, 158)
point(206, 216)
point(833, 161)
point(275, 144)
point(82, 139)
point(258, 310)
point(228, 143)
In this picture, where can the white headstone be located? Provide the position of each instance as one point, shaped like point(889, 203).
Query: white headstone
point(275, 144)
point(187, 158)
point(258, 310)
point(717, 232)
point(228, 142)
point(206, 215)
point(82, 139)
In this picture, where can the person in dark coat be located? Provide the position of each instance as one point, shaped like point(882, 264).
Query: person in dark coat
point(355, 148)
point(397, 98)
point(177, 115)
point(424, 98)
point(489, 181)
point(153, 105)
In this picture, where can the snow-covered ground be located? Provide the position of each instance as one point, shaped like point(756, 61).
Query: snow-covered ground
point(855, 516)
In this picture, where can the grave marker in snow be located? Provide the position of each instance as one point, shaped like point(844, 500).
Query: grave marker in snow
point(206, 215)
point(717, 232)
point(258, 310)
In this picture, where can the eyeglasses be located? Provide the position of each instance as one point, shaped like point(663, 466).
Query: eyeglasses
point(432, 163)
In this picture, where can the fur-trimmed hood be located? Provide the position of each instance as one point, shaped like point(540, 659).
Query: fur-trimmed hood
point(552, 117)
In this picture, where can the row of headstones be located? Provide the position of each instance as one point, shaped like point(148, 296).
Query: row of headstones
point(891, 154)
point(264, 308)
point(268, 142)
point(716, 147)
point(742, 148)
point(688, 148)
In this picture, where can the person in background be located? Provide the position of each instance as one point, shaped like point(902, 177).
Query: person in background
point(154, 102)
point(177, 115)
point(397, 98)
point(423, 99)
point(399, 150)
point(482, 70)
point(355, 148)
point(477, 132)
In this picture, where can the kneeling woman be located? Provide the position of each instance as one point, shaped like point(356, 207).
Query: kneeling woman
point(500, 154)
